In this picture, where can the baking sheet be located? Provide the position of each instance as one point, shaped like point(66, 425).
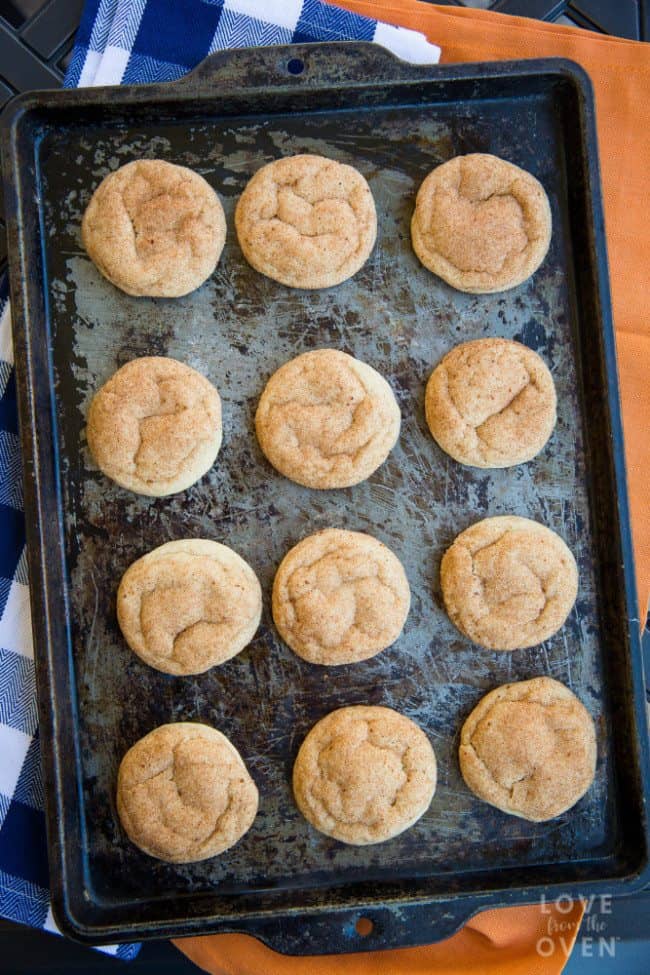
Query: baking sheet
point(238, 329)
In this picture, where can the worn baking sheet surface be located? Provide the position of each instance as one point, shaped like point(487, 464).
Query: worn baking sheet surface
point(237, 329)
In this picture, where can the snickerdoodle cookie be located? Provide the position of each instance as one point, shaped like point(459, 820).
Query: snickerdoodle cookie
point(364, 774)
point(508, 582)
point(155, 426)
point(153, 228)
point(481, 223)
point(184, 793)
point(307, 221)
point(529, 749)
point(326, 420)
point(340, 597)
point(189, 605)
point(491, 403)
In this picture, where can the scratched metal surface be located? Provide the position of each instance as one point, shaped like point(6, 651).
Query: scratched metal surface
point(237, 329)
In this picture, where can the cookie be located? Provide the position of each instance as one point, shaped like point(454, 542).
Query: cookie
point(155, 426)
point(306, 221)
point(188, 606)
point(364, 774)
point(508, 582)
point(529, 749)
point(340, 597)
point(481, 223)
point(153, 228)
point(491, 403)
point(184, 793)
point(326, 420)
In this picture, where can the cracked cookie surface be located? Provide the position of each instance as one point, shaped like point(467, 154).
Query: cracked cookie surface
point(154, 228)
point(481, 224)
point(340, 597)
point(189, 605)
point(491, 403)
point(364, 774)
point(508, 582)
point(307, 221)
point(327, 420)
point(184, 793)
point(155, 426)
point(529, 749)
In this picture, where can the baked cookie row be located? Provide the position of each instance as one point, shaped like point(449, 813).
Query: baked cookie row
point(324, 420)
point(340, 597)
point(154, 228)
point(363, 774)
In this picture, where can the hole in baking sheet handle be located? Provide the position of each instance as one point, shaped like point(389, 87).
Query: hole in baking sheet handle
point(364, 927)
point(295, 66)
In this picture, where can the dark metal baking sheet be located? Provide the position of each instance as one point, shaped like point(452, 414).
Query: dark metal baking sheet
point(301, 891)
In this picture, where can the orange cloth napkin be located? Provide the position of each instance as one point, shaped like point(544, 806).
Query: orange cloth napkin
point(514, 941)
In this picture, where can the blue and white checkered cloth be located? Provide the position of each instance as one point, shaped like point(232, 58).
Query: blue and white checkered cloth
point(118, 42)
